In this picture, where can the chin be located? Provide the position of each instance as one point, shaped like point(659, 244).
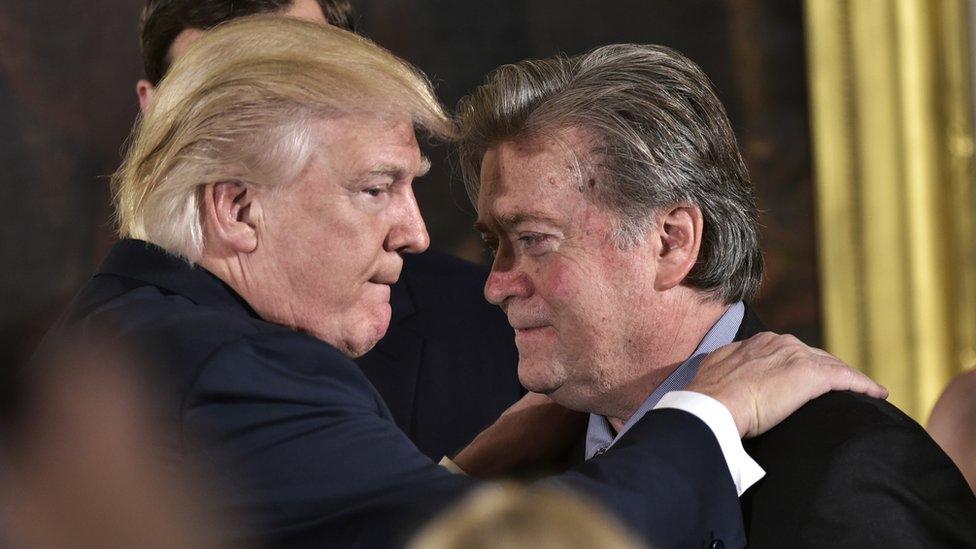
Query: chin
point(537, 376)
point(369, 331)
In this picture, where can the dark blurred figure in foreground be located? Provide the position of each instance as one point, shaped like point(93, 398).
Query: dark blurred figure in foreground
point(80, 457)
point(953, 423)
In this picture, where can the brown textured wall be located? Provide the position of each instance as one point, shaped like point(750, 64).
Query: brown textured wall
point(68, 68)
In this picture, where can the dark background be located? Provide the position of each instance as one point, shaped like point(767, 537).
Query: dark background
point(68, 70)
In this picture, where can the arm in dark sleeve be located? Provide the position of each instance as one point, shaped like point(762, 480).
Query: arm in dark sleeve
point(314, 458)
point(667, 479)
point(310, 453)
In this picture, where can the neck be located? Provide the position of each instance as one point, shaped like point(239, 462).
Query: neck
point(234, 270)
point(681, 323)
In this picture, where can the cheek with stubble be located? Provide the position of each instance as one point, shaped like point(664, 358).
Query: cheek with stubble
point(544, 353)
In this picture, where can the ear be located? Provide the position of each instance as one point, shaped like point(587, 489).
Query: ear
point(145, 90)
point(230, 212)
point(680, 232)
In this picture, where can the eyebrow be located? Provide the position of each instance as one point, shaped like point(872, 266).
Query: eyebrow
point(516, 218)
point(397, 171)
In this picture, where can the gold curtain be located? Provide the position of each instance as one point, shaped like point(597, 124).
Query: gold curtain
point(891, 113)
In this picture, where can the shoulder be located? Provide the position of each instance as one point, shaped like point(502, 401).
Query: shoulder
point(838, 438)
point(834, 421)
point(158, 323)
point(956, 408)
point(861, 412)
point(184, 343)
point(857, 471)
point(953, 423)
point(283, 366)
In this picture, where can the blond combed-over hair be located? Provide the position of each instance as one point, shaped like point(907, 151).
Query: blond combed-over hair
point(238, 106)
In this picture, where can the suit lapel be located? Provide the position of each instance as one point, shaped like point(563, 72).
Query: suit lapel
point(751, 325)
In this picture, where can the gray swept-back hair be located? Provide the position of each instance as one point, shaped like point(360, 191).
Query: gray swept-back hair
point(662, 138)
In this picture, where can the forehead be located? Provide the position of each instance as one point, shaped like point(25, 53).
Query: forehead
point(535, 175)
point(360, 142)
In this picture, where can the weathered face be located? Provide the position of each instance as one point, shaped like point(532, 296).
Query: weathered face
point(572, 295)
point(329, 243)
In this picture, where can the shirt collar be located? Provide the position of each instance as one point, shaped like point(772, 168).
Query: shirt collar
point(148, 263)
point(599, 435)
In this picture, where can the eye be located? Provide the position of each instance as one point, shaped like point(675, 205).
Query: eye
point(376, 191)
point(532, 241)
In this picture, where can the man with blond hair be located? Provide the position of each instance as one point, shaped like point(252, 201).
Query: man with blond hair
point(611, 188)
point(265, 203)
point(425, 353)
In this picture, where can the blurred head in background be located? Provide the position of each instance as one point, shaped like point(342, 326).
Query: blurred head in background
point(169, 27)
point(524, 518)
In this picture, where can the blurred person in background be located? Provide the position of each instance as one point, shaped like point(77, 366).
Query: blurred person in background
point(953, 423)
point(426, 355)
point(612, 190)
point(265, 204)
point(80, 461)
point(524, 518)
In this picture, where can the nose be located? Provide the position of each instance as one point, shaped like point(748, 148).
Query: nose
point(409, 233)
point(505, 281)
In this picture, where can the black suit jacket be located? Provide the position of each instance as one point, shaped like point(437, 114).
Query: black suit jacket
point(309, 451)
point(846, 470)
point(448, 365)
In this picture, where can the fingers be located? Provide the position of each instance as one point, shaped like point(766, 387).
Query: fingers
point(845, 378)
point(841, 377)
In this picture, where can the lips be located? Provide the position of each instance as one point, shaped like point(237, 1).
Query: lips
point(527, 323)
point(387, 276)
point(529, 327)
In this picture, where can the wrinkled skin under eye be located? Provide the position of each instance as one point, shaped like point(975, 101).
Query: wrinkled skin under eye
point(535, 243)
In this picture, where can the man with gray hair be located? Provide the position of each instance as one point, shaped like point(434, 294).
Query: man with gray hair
point(611, 189)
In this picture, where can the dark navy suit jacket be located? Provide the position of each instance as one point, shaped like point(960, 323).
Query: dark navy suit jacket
point(447, 366)
point(307, 448)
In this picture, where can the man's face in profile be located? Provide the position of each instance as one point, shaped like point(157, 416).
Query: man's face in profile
point(573, 296)
point(302, 9)
point(330, 241)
